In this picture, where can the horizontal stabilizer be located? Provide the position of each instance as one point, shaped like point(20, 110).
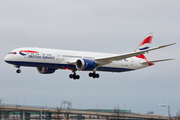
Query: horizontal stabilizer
point(156, 61)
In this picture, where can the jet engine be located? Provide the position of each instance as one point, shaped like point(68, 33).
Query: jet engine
point(44, 70)
point(85, 64)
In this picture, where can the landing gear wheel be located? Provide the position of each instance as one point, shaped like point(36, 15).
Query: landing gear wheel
point(97, 75)
point(18, 71)
point(77, 76)
point(74, 76)
point(94, 75)
point(90, 74)
point(71, 76)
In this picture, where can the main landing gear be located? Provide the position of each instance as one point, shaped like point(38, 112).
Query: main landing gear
point(94, 75)
point(74, 76)
point(18, 70)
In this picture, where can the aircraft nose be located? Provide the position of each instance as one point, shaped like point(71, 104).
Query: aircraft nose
point(6, 58)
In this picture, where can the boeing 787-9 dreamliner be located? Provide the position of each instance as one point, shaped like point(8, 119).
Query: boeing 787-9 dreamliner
point(47, 61)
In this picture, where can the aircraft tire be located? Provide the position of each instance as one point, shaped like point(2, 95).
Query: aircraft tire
point(97, 75)
point(74, 76)
point(90, 74)
point(70, 76)
point(94, 76)
point(77, 76)
point(18, 71)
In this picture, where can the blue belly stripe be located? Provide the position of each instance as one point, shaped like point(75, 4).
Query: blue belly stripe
point(64, 66)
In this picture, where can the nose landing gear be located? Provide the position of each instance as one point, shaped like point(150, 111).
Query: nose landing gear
point(18, 70)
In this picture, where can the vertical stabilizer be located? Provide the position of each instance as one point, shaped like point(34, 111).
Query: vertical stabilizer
point(145, 44)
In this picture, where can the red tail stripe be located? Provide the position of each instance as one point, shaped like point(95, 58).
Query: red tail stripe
point(147, 40)
point(142, 57)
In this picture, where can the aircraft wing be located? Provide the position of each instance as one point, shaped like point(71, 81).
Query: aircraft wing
point(106, 60)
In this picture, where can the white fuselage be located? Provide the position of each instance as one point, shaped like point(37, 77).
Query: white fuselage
point(47, 61)
point(64, 59)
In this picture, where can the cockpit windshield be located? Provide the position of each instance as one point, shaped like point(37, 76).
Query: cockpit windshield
point(12, 53)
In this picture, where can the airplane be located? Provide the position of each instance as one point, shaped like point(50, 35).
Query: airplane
point(47, 61)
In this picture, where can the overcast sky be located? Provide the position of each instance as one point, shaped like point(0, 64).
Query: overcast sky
point(110, 26)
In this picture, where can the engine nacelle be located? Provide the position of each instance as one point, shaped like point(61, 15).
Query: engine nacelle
point(44, 70)
point(85, 64)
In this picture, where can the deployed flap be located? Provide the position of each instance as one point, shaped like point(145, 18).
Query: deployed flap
point(107, 60)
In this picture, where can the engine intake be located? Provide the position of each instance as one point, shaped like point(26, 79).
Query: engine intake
point(44, 70)
point(85, 64)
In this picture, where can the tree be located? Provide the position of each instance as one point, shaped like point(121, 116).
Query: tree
point(178, 115)
point(117, 113)
point(58, 115)
point(0, 109)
